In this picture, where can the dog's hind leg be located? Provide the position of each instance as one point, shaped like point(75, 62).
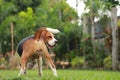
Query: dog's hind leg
point(23, 63)
point(22, 71)
point(39, 60)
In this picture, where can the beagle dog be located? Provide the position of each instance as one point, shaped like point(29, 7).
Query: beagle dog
point(35, 47)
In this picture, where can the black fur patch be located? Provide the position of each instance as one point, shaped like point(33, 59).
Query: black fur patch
point(20, 45)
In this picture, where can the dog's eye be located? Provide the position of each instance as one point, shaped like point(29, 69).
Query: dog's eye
point(49, 36)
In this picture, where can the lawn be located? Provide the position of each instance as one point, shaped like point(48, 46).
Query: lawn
point(62, 75)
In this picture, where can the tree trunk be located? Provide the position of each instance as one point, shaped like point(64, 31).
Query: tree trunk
point(114, 38)
point(12, 43)
point(93, 33)
point(85, 32)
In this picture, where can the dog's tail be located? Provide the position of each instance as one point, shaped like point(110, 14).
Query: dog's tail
point(53, 30)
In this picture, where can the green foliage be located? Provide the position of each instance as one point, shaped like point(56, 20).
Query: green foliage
point(104, 20)
point(27, 19)
point(5, 40)
point(93, 7)
point(77, 62)
point(23, 4)
point(108, 62)
point(118, 23)
point(28, 14)
point(111, 3)
point(6, 9)
point(2, 60)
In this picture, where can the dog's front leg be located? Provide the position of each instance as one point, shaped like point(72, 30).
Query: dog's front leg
point(39, 60)
point(52, 66)
point(50, 62)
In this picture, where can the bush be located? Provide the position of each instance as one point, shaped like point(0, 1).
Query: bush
point(2, 63)
point(108, 62)
point(77, 62)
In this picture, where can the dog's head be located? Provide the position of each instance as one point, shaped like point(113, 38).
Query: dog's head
point(47, 35)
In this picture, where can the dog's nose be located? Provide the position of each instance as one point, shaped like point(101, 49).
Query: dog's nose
point(56, 41)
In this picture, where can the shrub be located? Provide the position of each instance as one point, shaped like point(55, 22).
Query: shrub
point(2, 63)
point(107, 62)
point(77, 62)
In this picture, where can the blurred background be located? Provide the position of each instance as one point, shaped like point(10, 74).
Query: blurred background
point(89, 38)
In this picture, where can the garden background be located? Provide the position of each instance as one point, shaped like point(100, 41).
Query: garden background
point(83, 42)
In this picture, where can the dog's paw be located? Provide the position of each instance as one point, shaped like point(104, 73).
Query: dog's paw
point(55, 75)
point(55, 72)
point(40, 74)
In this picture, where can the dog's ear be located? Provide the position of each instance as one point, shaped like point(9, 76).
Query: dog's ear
point(37, 34)
point(55, 31)
point(43, 35)
point(40, 33)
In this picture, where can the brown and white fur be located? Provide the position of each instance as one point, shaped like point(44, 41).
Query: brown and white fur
point(35, 47)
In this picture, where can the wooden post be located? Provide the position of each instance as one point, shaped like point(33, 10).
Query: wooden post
point(12, 43)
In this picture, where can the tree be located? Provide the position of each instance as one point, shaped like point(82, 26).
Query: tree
point(93, 7)
point(6, 12)
point(93, 13)
point(23, 4)
point(111, 6)
point(114, 38)
point(6, 9)
point(114, 34)
point(85, 35)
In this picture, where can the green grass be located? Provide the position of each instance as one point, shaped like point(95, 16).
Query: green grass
point(62, 75)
